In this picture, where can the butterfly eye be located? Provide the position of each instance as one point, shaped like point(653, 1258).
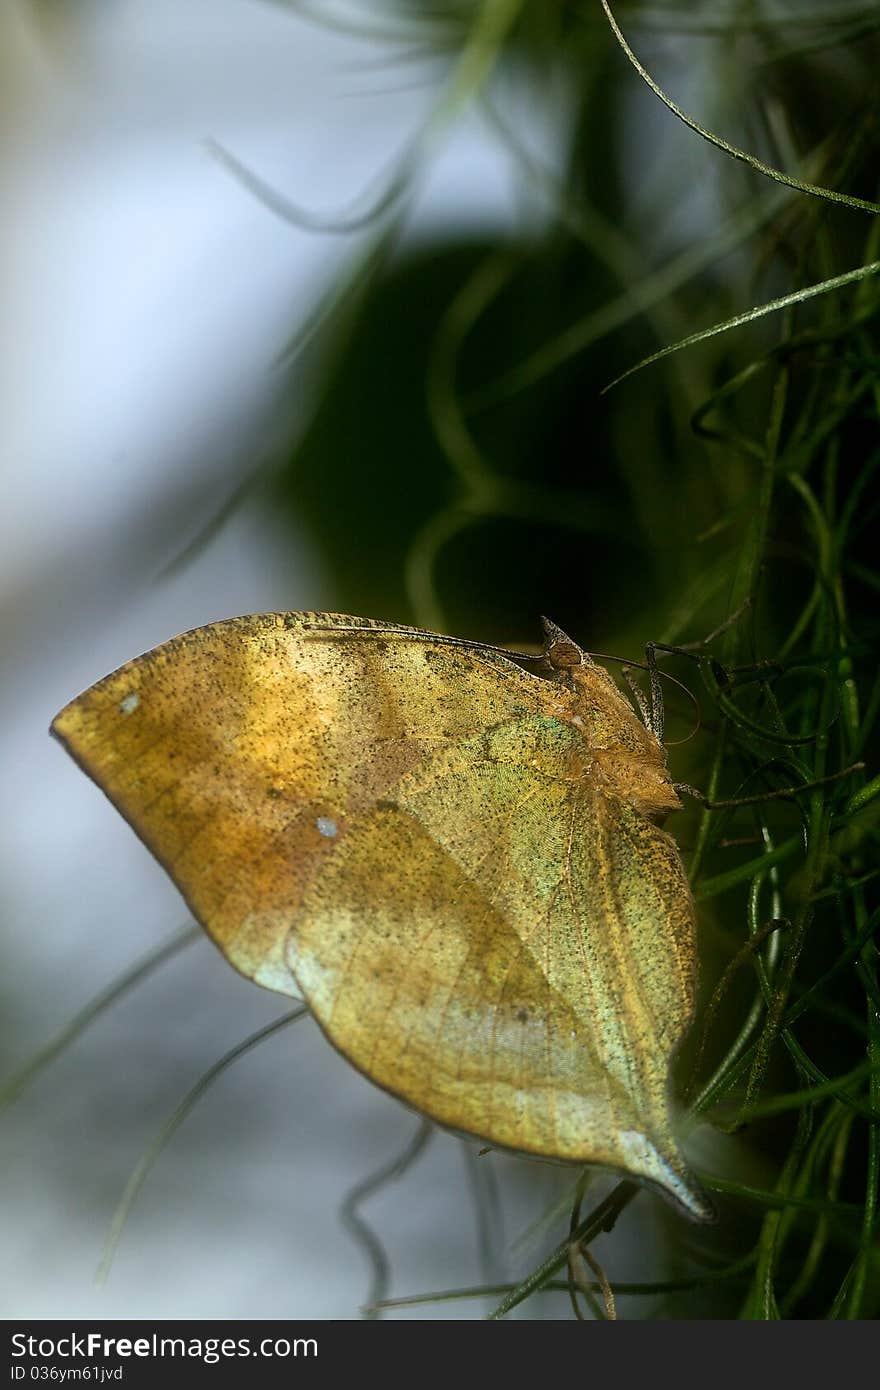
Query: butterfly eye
point(563, 654)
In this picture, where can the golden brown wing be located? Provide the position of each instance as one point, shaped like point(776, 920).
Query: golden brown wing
point(511, 953)
point(409, 834)
point(240, 751)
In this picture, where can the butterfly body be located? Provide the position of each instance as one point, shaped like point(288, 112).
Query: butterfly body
point(455, 861)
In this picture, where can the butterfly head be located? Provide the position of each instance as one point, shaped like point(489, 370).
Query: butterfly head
point(560, 652)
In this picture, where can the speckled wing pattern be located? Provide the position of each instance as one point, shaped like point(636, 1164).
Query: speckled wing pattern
point(422, 841)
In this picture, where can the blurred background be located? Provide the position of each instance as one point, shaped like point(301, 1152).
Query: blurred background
point(312, 307)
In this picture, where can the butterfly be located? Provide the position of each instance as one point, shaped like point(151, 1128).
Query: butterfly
point(455, 860)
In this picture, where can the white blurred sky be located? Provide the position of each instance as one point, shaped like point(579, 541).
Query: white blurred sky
point(149, 292)
point(148, 295)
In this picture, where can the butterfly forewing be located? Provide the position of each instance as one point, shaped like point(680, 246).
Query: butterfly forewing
point(240, 751)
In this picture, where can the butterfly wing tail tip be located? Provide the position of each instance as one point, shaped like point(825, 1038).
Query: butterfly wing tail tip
point(667, 1172)
point(682, 1189)
point(694, 1202)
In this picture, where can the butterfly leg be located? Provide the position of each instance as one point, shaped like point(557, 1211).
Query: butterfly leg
point(657, 712)
point(696, 652)
point(645, 709)
point(780, 794)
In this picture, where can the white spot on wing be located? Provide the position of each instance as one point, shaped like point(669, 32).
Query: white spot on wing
point(326, 826)
point(129, 704)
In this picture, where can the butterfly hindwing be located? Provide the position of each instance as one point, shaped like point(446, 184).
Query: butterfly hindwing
point(464, 948)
